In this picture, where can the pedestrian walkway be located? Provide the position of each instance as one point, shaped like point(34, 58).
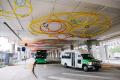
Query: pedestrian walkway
point(21, 71)
point(110, 66)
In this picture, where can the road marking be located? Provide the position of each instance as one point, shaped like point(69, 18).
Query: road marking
point(60, 78)
point(80, 72)
point(88, 76)
point(98, 73)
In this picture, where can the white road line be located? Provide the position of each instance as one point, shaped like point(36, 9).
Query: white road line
point(83, 75)
point(104, 73)
point(60, 78)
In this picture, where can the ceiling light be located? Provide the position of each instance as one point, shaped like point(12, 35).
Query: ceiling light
point(20, 2)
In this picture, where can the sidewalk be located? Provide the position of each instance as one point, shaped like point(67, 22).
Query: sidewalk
point(110, 66)
point(18, 72)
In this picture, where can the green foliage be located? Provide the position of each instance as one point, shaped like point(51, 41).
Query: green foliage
point(115, 49)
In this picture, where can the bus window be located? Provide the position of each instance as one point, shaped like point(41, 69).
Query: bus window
point(41, 54)
point(79, 55)
point(67, 55)
point(79, 61)
point(87, 56)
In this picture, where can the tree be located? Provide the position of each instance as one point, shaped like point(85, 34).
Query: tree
point(115, 49)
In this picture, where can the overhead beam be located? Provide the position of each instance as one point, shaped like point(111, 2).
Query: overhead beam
point(13, 31)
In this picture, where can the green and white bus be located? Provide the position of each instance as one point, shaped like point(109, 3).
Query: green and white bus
point(41, 56)
point(77, 59)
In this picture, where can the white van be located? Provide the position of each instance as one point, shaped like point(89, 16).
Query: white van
point(76, 59)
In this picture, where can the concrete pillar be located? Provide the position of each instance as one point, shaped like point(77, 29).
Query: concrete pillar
point(103, 52)
point(50, 54)
point(57, 54)
point(12, 51)
point(89, 45)
point(53, 54)
point(72, 47)
point(62, 49)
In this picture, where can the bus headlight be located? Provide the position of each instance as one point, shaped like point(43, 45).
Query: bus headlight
point(90, 63)
point(45, 60)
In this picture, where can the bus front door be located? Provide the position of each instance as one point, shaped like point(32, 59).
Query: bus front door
point(73, 59)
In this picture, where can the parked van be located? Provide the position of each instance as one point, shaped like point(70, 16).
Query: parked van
point(77, 59)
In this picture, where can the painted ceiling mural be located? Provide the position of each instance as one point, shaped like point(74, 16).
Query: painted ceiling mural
point(59, 25)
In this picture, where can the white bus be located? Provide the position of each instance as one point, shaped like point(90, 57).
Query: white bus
point(76, 59)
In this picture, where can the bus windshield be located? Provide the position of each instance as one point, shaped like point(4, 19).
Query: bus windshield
point(41, 54)
point(87, 56)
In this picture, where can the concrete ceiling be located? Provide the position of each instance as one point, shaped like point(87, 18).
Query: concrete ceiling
point(44, 7)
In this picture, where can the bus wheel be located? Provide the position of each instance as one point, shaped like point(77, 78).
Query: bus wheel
point(65, 65)
point(85, 68)
point(97, 69)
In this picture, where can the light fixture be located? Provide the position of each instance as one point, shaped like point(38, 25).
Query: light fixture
point(20, 2)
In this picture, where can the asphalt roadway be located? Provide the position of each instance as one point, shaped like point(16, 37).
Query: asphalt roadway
point(58, 72)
